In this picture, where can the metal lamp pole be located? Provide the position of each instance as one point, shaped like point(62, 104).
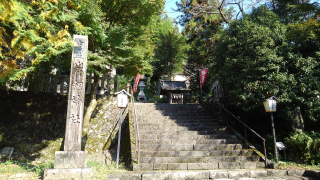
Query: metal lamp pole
point(270, 106)
point(200, 87)
point(274, 138)
point(119, 137)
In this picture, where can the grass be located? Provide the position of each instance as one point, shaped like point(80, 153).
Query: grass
point(33, 170)
point(293, 165)
point(101, 170)
point(12, 169)
point(9, 168)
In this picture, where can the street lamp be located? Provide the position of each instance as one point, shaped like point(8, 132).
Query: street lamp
point(270, 105)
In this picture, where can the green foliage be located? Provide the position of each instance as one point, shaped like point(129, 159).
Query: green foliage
point(306, 146)
point(33, 35)
point(270, 146)
point(38, 169)
point(169, 47)
point(169, 54)
point(122, 82)
point(36, 35)
point(14, 167)
point(293, 165)
point(292, 11)
point(202, 31)
point(255, 59)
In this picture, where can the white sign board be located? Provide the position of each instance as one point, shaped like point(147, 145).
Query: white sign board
point(270, 105)
point(280, 146)
point(122, 100)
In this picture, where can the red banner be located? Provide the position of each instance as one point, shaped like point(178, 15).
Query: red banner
point(136, 82)
point(203, 76)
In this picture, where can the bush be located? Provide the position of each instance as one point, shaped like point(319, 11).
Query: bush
point(306, 146)
point(270, 146)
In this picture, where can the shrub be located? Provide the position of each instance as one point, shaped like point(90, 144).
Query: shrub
point(306, 146)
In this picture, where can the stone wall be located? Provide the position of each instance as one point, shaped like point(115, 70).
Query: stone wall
point(34, 124)
point(104, 126)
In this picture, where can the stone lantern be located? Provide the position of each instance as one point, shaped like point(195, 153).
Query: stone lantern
point(141, 96)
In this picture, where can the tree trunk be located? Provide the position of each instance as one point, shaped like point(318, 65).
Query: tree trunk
point(90, 109)
point(296, 123)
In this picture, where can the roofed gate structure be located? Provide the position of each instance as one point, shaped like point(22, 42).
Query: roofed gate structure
point(174, 90)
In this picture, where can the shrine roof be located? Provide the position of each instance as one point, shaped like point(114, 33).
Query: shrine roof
point(174, 86)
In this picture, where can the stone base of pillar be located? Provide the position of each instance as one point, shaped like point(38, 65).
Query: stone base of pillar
point(70, 173)
point(69, 165)
point(70, 159)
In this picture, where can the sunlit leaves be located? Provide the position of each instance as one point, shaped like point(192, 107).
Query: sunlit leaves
point(258, 56)
point(31, 33)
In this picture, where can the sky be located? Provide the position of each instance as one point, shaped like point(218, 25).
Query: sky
point(171, 13)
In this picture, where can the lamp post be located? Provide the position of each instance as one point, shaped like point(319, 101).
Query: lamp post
point(270, 106)
point(122, 103)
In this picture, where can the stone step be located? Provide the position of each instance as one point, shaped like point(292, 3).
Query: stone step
point(184, 141)
point(187, 137)
point(170, 106)
point(185, 131)
point(191, 147)
point(164, 106)
point(205, 166)
point(173, 117)
point(185, 124)
point(193, 127)
point(213, 159)
point(166, 120)
point(198, 171)
point(187, 113)
point(174, 111)
point(217, 135)
point(196, 153)
point(195, 159)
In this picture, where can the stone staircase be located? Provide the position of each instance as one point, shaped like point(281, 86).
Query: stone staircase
point(188, 137)
point(234, 174)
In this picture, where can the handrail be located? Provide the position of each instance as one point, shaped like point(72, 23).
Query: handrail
point(136, 125)
point(264, 141)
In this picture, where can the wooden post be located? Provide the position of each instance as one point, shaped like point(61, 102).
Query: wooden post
point(55, 83)
point(115, 83)
point(102, 85)
point(108, 85)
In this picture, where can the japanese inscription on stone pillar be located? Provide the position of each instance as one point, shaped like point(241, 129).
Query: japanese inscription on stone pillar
point(76, 95)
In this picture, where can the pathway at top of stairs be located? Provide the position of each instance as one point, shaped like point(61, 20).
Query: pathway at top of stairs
point(188, 137)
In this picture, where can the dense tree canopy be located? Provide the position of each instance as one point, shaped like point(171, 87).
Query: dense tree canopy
point(35, 36)
point(170, 47)
point(202, 24)
point(258, 56)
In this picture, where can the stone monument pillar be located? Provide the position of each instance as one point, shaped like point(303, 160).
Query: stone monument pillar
point(71, 163)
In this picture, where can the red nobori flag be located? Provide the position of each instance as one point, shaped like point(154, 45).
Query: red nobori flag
point(203, 76)
point(136, 82)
